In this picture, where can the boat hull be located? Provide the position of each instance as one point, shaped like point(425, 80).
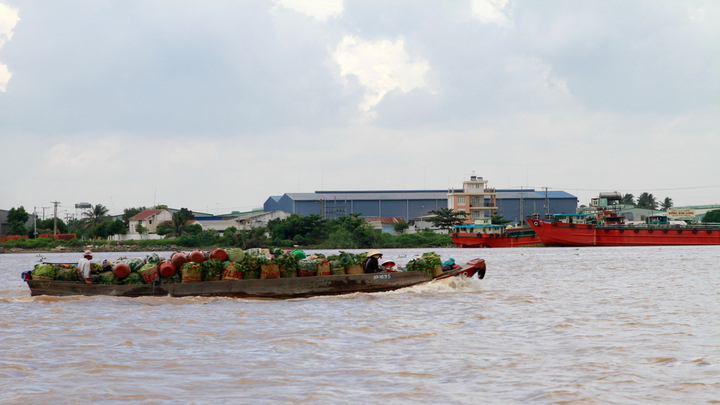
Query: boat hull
point(279, 288)
point(472, 240)
point(564, 234)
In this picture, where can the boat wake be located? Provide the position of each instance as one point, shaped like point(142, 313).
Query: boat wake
point(447, 285)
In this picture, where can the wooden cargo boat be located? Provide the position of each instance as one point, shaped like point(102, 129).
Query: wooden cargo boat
point(279, 288)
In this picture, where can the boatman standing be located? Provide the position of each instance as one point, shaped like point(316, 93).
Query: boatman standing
point(84, 267)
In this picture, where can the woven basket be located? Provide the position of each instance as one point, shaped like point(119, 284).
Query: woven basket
point(43, 278)
point(354, 269)
point(323, 269)
point(437, 271)
point(339, 271)
point(270, 270)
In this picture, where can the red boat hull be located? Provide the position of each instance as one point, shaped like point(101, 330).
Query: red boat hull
point(472, 240)
point(564, 234)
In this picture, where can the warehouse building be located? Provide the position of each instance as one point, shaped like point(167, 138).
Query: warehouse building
point(413, 204)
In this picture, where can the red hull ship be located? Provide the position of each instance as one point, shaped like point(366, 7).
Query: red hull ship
point(479, 237)
point(616, 233)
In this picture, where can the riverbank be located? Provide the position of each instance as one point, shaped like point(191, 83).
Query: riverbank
point(95, 248)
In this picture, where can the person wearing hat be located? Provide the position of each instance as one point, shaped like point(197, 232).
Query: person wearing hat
point(388, 265)
point(83, 267)
point(371, 264)
point(449, 264)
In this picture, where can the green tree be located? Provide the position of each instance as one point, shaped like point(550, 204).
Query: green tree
point(131, 212)
point(400, 227)
point(301, 230)
point(445, 218)
point(178, 226)
point(251, 238)
point(48, 225)
point(141, 229)
point(666, 204)
point(628, 199)
point(498, 220)
point(95, 216)
point(647, 201)
point(712, 216)
point(109, 228)
point(17, 218)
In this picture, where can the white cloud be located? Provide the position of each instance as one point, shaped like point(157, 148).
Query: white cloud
point(9, 17)
point(380, 67)
point(490, 11)
point(320, 9)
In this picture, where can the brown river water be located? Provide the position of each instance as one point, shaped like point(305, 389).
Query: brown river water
point(546, 326)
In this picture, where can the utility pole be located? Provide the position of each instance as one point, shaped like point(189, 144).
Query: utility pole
point(35, 221)
point(55, 203)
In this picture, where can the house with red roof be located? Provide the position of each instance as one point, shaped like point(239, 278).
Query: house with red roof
point(148, 219)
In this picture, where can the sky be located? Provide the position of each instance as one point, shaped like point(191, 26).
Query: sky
point(217, 105)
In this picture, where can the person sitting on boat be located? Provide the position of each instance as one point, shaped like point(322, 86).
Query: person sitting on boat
point(371, 264)
point(449, 264)
point(83, 267)
point(388, 265)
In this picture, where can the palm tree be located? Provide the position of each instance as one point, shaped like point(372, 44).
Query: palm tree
point(666, 204)
point(95, 216)
point(628, 199)
point(647, 201)
point(179, 226)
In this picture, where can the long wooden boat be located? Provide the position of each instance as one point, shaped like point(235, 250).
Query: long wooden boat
point(279, 288)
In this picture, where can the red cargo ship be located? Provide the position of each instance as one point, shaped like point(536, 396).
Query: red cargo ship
point(493, 236)
point(611, 230)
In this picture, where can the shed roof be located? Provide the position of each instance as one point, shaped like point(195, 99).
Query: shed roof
point(146, 214)
point(369, 195)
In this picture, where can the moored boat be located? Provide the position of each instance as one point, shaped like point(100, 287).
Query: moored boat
point(611, 230)
point(279, 288)
point(493, 236)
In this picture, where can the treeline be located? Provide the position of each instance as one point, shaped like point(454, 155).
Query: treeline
point(647, 201)
point(312, 231)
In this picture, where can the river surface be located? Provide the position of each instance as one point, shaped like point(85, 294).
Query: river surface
point(546, 326)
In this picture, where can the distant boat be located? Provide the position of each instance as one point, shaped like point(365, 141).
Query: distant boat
point(493, 236)
point(607, 228)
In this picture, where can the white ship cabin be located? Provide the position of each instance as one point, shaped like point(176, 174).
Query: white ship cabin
point(571, 218)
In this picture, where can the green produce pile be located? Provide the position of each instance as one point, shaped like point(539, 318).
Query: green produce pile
point(424, 264)
point(212, 269)
point(248, 263)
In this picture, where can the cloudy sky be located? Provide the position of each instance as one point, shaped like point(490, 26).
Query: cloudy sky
point(217, 105)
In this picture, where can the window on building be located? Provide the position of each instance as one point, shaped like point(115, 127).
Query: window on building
point(461, 200)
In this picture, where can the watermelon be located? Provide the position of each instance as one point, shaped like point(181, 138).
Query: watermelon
point(133, 278)
point(236, 254)
point(135, 264)
point(43, 272)
point(108, 277)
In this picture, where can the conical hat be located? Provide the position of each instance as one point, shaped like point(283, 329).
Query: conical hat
point(373, 252)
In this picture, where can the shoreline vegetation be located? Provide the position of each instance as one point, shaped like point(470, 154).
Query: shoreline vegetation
point(304, 232)
point(210, 239)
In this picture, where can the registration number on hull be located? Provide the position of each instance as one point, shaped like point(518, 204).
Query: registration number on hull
point(382, 276)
